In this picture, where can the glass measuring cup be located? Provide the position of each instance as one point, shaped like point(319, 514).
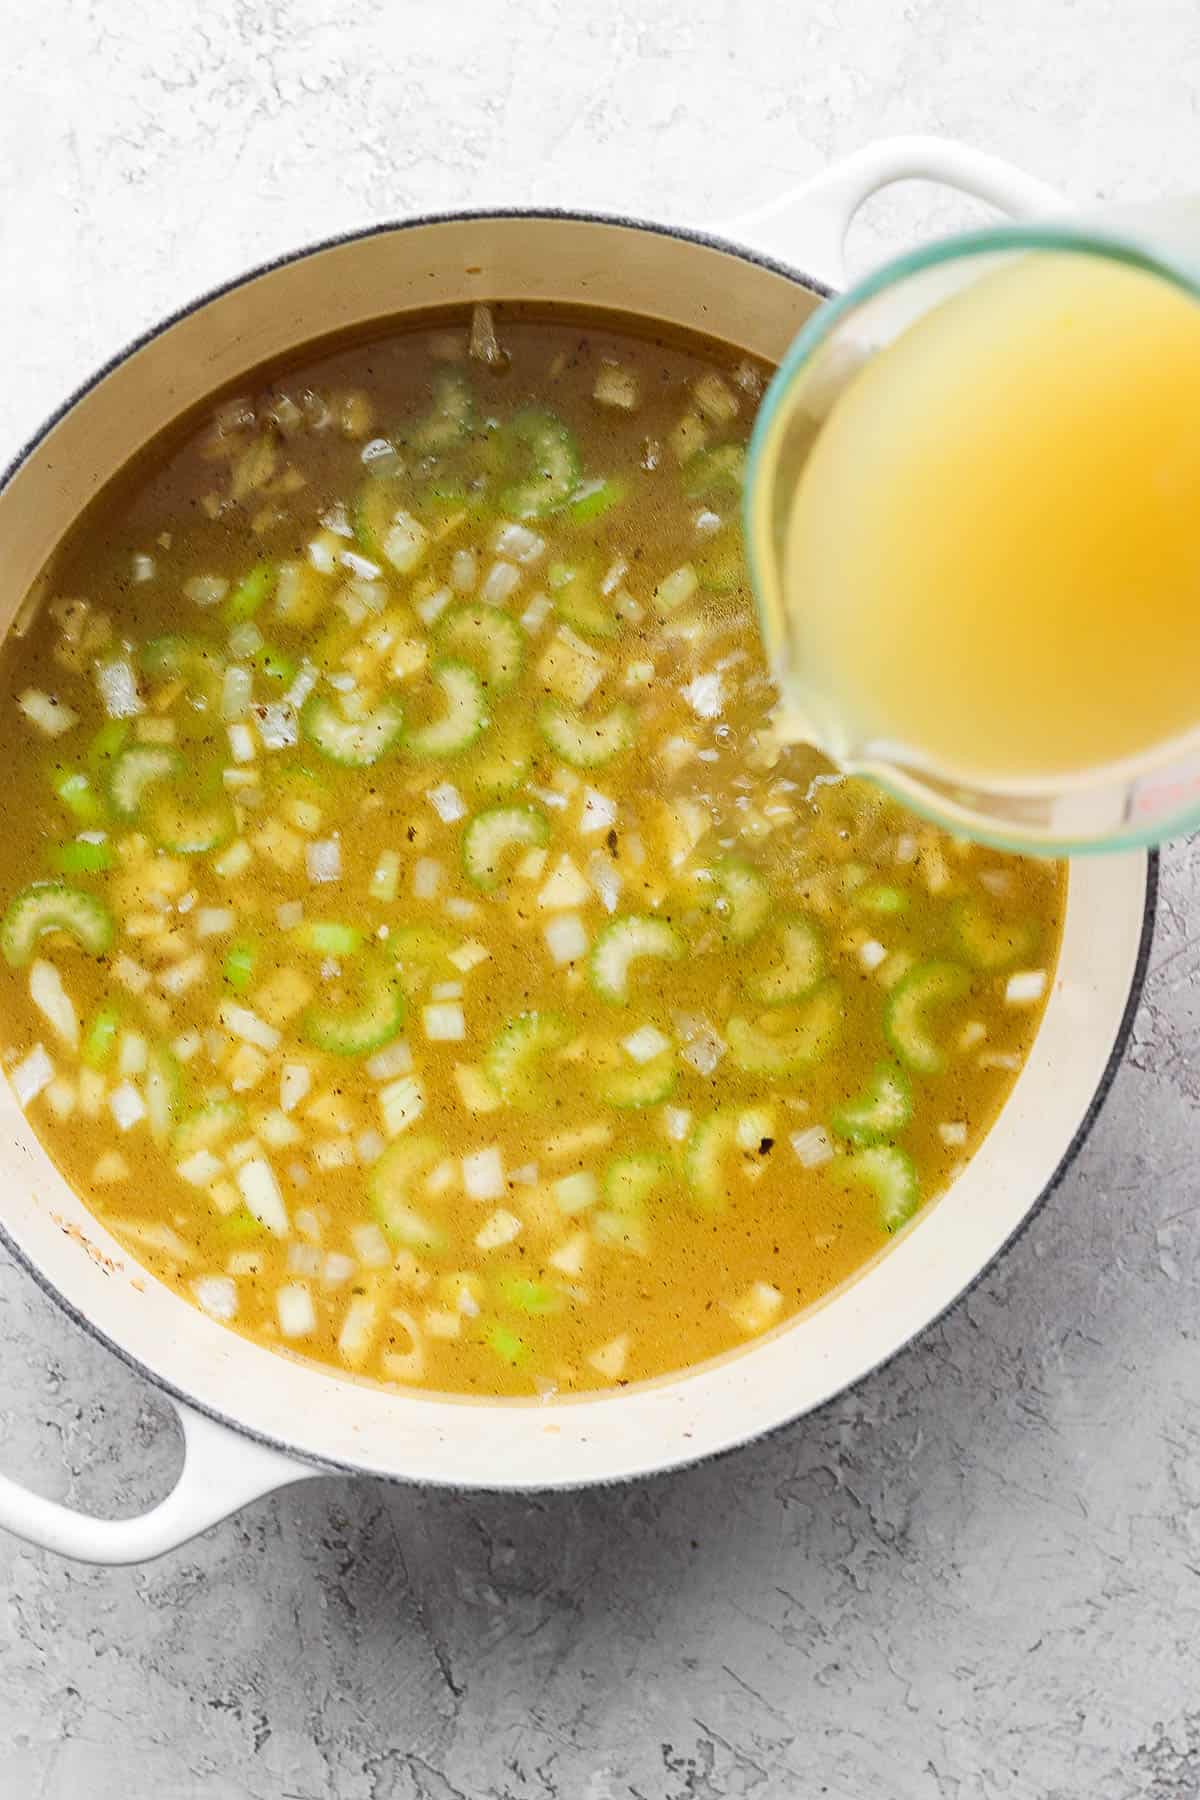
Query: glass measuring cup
point(1141, 799)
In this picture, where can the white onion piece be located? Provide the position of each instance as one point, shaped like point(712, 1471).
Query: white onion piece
point(278, 725)
point(518, 543)
point(605, 877)
point(447, 802)
point(427, 878)
point(483, 1174)
point(394, 1059)
point(217, 1296)
point(52, 717)
point(677, 1122)
point(52, 1000)
point(33, 1073)
point(127, 1106)
point(598, 814)
point(566, 938)
point(500, 583)
point(444, 1022)
point(812, 1147)
point(295, 1310)
point(645, 1043)
point(464, 571)
point(118, 688)
point(295, 1080)
point(260, 1191)
point(242, 1022)
point(498, 1229)
point(323, 859)
point(402, 1103)
point(237, 686)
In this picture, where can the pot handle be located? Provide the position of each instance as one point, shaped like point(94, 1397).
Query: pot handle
point(808, 226)
point(222, 1472)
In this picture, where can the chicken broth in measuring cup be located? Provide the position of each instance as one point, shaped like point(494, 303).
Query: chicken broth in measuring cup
point(416, 948)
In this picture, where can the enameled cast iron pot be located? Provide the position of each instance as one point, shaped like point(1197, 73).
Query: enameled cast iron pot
point(255, 1420)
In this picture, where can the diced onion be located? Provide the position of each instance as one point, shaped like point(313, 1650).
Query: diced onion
point(237, 687)
point(498, 1229)
point(217, 1295)
point(536, 613)
point(757, 1308)
point(871, 954)
point(953, 1133)
point(677, 1122)
point(676, 588)
point(605, 877)
point(295, 1080)
point(812, 1147)
point(370, 1246)
point(599, 812)
point(444, 1022)
point(500, 583)
point(447, 802)
point(245, 639)
point(118, 688)
point(566, 938)
point(215, 921)
point(302, 686)
point(126, 1105)
point(575, 1193)
point(616, 386)
point(52, 717)
point(206, 590)
point(358, 1330)
point(705, 694)
point(518, 543)
point(434, 605)
point(241, 743)
point(394, 1059)
point(260, 1191)
point(610, 1359)
point(33, 1073)
point(336, 1268)
point(295, 1310)
point(483, 1174)
point(402, 1102)
point(370, 1146)
point(469, 955)
point(645, 1043)
point(52, 1000)
point(1025, 988)
point(323, 859)
point(570, 1257)
point(704, 1051)
point(242, 1022)
point(565, 888)
point(427, 878)
point(464, 571)
point(289, 915)
point(278, 725)
point(201, 1169)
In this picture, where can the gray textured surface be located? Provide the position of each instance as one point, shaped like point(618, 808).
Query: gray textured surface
point(979, 1575)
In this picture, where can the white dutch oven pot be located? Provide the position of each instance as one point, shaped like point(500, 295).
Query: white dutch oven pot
point(255, 1420)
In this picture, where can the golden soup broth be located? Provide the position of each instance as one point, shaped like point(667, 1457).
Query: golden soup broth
point(417, 950)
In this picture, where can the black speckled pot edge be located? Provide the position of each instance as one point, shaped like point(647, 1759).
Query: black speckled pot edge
point(304, 1460)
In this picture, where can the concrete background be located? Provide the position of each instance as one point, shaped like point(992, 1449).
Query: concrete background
point(977, 1576)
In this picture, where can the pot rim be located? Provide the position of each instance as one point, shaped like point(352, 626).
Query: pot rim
point(166, 1385)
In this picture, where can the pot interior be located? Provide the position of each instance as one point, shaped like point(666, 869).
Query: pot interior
point(673, 281)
